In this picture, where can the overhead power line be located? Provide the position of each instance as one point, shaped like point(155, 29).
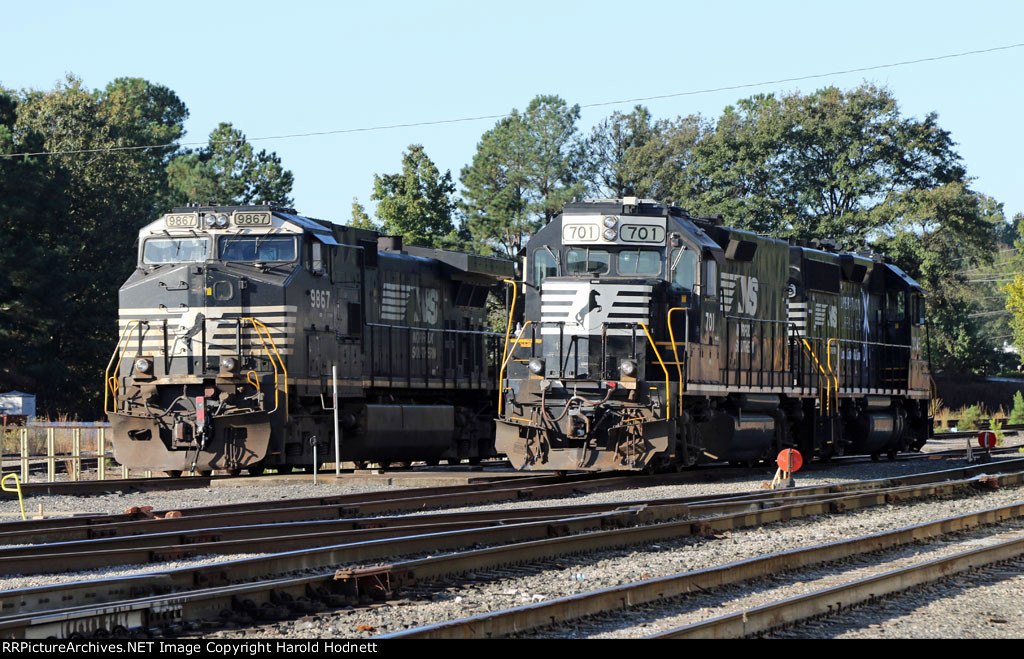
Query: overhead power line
point(415, 124)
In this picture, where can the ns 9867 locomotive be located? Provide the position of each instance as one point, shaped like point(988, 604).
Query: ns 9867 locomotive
point(236, 318)
point(650, 338)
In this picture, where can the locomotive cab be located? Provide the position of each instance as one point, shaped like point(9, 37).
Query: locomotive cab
point(589, 386)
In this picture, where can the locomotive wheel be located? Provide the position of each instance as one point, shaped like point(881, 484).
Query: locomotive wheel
point(206, 472)
point(255, 470)
point(173, 473)
point(892, 455)
point(284, 469)
point(309, 469)
point(359, 464)
point(875, 457)
point(234, 472)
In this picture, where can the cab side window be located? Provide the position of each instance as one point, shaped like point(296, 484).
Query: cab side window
point(710, 279)
point(684, 268)
point(544, 266)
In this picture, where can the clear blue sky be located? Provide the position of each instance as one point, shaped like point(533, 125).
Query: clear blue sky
point(274, 68)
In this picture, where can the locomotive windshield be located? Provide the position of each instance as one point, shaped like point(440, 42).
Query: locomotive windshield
point(175, 250)
point(640, 262)
point(587, 261)
point(257, 248)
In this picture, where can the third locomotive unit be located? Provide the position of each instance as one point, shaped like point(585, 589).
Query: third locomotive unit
point(647, 338)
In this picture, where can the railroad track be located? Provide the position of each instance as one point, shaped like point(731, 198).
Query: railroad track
point(267, 587)
point(651, 595)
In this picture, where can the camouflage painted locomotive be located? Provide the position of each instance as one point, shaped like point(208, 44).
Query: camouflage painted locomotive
point(235, 316)
point(650, 338)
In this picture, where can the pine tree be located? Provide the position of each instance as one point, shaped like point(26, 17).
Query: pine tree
point(417, 203)
point(228, 171)
point(524, 171)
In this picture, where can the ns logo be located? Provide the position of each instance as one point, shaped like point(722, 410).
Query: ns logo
point(739, 293)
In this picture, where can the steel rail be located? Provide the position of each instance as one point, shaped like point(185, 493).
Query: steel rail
point(343, 517)
point(830, 601)
point(377, 496)
point(319, 525)
point(433, 568)
point(133, 610)
point(380, 581)
point(525, 618)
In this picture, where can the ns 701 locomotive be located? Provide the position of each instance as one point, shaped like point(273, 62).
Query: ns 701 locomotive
point(236, 317)
point(647, 338)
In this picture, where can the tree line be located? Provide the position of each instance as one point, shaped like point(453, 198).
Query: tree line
point(68, 223)
point(846, 166)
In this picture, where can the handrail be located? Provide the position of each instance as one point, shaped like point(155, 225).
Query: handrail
point(110, 385)
point(260, 329)
point(835, 373)
point(810, 351)
point(675, 352)
point(255, 383)
point(859, 342)
point(17, 488)
point(504, 363)
point(508, 331)
point(668, 390)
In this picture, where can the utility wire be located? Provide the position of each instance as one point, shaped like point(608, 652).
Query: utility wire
point(502, 116)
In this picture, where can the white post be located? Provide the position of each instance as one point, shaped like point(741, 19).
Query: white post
point(101, 454)
point(337, 435)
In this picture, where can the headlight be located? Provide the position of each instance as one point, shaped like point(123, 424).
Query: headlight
point(209, 220)
point(610, 222)
point(228, 364)
point(222, 221)
point(537, 366)
point(142, 365)
point(628, 367)
point(610, 234)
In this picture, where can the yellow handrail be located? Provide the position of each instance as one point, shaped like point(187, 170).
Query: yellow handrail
point(504, 351)
point(828, 398)
point(254, 382)
point(110, 385)
point(835, 373)
point(675, 352)
point(260, 329)
point(17, 488)
point(504, 363)
point(668, 406)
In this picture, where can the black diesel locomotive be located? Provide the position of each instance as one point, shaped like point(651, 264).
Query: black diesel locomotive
point(236, 317)
point(651, 339)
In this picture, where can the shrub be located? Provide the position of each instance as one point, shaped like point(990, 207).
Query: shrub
point(1017, 413)
point(970, 418)
point(997, 428)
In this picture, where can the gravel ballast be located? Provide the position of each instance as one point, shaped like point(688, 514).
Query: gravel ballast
point(566, 577)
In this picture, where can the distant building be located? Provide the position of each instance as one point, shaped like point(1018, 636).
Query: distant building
point(17, 407)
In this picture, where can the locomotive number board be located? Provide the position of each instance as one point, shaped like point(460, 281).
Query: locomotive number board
point(251, 219)
point(185, 220)
point(612, 230)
